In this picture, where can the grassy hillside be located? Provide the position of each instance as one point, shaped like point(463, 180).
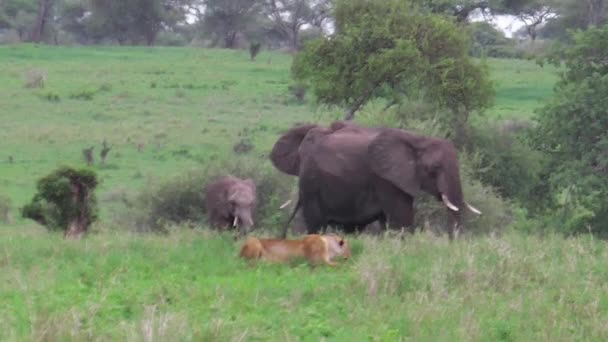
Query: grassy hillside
point(181, 106)
point(168, 110)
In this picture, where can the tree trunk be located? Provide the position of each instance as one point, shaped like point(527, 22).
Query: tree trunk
point(595, 11)
point(150, 38)
point(44, 7)
point(230, 40)
point(79, 224)
point(76, 229)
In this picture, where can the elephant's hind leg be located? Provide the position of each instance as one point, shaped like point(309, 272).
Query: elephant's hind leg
point(313, 217)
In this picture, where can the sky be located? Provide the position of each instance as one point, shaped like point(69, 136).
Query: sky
point(509, 24)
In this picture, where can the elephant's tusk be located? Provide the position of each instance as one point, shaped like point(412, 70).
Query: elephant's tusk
point(447, 203)
point(473, 209)
point(285, 204)
point(236, 219)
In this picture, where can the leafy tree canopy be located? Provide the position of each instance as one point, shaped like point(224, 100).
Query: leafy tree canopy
point(387, 48)
point(573, 132)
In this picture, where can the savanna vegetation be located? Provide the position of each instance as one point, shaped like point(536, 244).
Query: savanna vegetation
point(113, 143)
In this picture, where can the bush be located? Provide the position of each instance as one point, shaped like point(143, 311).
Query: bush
point(65, 201)
point(181, 199)
point(506, 162)
point(571, 132)
point(298, 90)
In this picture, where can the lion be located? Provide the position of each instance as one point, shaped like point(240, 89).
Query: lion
point(315, 248)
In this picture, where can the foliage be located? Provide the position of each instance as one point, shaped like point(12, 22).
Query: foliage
point(130, 20)
point(54, 206)
point(572, 15)
point(572, 132)
point(181, 199)
point(487, 41)
point(289, 17)
point(387, 49)
point(226, 20)
point(506, 161)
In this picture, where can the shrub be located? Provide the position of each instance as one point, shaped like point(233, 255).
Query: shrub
point(84, 94)
point(181, 198)
point(298, 90)
point(50, 96)
point(571, 132)
point(65, 201)
point(506, 162)
point(243, 146)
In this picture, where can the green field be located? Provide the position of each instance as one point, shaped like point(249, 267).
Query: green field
point(165, 111)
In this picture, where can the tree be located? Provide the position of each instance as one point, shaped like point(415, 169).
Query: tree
point(533, 14)
point(572, 132)
point(226, 19)
point(384, 48)
point(133, 20)
point(19, 15)
point(65, 201)
point(290, 16)
point(575, 14)
point(72, 18)
point(45, 8)
point(459, 9)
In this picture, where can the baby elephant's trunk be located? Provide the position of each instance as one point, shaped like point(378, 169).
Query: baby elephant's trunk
point(243, 219)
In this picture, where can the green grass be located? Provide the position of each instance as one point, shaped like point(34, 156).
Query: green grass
point(521, 87)
point(190, 286)
point(186, 107)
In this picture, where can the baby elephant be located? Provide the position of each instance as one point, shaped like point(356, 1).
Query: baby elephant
point(231, 201)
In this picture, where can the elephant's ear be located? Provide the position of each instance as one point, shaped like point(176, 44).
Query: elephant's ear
point(284, 154)
point(393, 159)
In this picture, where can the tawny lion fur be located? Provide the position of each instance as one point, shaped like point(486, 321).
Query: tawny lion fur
point(317, 249)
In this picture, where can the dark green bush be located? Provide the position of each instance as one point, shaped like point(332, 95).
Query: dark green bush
point(63, 196)
point(181, 199)
point(506, 163)
point(571, 132)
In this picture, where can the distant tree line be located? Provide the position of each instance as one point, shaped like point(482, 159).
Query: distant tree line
point(223, 23)
point(236, 23)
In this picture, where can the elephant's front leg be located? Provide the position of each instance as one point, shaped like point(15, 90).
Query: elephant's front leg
point(454, 225)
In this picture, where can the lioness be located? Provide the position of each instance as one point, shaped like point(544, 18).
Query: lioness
point(315, 248)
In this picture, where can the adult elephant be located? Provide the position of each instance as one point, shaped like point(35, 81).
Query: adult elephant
point(351, 176)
